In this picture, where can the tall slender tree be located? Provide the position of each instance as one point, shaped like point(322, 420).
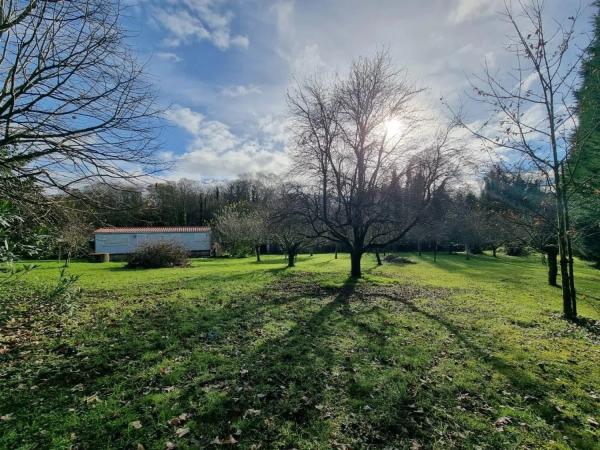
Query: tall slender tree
point(533, 111)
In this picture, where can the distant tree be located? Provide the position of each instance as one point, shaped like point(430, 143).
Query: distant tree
point(71, 235)
point(526, 210)
point(435, 223)
point(287, 226)
point(241, 229)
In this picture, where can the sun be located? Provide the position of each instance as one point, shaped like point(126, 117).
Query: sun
point(394, 128)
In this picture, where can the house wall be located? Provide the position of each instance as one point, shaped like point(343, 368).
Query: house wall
point(118, 243)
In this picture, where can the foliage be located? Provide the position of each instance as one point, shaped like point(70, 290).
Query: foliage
point(584, 165)
point(467, 353)
point(156, 254)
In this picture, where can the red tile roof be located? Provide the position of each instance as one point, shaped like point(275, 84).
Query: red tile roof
point(153, 230)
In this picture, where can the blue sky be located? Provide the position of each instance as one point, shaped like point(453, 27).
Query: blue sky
point(224, 66)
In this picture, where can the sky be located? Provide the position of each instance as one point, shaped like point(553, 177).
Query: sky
point(222, 67)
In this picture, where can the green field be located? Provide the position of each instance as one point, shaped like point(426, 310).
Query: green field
point(453, 354)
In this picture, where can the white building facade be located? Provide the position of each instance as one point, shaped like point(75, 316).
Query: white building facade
point(125, 240)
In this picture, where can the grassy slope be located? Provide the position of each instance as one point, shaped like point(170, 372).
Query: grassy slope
point(454, 354)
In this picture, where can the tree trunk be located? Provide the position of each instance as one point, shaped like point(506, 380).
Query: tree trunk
point(494, 248)
point(467, 252)
point(571, 273)
point(435, 251)
point(563, 252)
point(419, 247)
point(257, 251)
point(355, 257)
point(569, 246)
point(336, 252)
point(291, 258)
point(378, 256)
point(562, 228)
point(552, 253)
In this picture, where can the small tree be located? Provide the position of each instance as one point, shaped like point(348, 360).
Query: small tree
point(241, 229)
point(287, 225)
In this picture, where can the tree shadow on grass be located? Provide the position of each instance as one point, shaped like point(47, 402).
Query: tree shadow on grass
point(288, 365)
point(528, 383)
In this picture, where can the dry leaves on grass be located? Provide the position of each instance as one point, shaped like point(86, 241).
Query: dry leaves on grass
point(181, 432)
point(501, 422)
point(179, 420)
point(229, 440)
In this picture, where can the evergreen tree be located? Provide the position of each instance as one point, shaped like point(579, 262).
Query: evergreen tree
point(584, 165)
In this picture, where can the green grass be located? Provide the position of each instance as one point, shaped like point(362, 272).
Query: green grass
point(453, 354)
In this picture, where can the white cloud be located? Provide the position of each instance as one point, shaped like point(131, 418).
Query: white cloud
point(240, 41)
point(169, 56)
point(240, 90)
point(276, 128)
point(468, 10)
point(216, 152)
point(185, 118)
point(187, 21)
point(248, 157)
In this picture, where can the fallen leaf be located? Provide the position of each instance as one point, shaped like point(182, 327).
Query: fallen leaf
point(6, 417)
point(92, 399)
point(593, 422)
point(179, 420)
point(140, 447)
point(180, 432)
point(502, 422)
point(252, 412)
point(229, 440)
point(341, 446)
point(170, 445)
point(136, 424)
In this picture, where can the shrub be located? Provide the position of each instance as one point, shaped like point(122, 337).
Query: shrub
point(157, 254)
point(516, 250)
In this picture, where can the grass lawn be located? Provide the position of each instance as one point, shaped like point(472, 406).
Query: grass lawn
point(453, 354)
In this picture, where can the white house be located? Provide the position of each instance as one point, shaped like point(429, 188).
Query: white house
point(124, 240)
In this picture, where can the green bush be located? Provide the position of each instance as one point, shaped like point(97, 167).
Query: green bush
point(157, 254)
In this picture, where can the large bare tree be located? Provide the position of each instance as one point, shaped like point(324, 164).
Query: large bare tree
point(74, 103)
point(367, 185)
point(532, 109)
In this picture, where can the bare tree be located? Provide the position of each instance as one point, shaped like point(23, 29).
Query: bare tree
point(74, 103)
point(533, 109)
point(287, 225)
point(367, 186)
